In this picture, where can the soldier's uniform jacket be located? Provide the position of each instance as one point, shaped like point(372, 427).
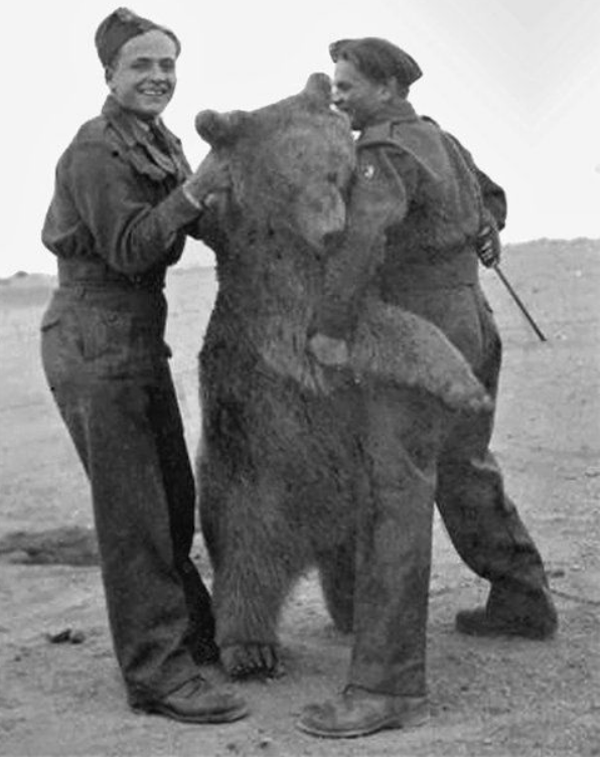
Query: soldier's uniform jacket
point(116, 221)
point(416, 206)
point(114, 204)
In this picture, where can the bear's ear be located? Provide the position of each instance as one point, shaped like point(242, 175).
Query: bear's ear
point(220, 129)
point(318, 91)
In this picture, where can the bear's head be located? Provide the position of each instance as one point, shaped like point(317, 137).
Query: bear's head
point(290, 164)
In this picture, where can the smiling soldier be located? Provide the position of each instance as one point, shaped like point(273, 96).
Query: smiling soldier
point(123, 203)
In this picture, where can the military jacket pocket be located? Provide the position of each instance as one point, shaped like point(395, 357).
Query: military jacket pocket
point(116, 343)
point(105, 333)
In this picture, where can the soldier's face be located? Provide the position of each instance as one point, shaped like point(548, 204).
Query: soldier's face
point(143, 78)
point(360, 98)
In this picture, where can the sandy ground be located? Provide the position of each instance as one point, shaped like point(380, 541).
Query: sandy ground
point(63, 696)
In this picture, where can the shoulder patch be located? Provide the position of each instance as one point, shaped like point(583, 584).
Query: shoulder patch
point(367, 170)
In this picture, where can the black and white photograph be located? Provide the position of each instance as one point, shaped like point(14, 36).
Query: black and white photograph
point(300, 379)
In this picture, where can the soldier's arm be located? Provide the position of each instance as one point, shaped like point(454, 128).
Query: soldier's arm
point(130, 233)
point(494, 210)
point(494, 197)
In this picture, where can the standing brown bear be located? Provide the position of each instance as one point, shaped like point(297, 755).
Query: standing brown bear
point(277, 464)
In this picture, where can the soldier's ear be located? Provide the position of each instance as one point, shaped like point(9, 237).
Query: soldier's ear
point(395, 89)
point(386, 90)
point(220, 129)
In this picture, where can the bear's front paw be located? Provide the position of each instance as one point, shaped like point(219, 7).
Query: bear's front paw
point(251, 661)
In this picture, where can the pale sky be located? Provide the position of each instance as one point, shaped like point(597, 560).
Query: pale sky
point(517, 81)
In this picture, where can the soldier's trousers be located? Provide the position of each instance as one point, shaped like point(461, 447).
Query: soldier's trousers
point(418, 454)
point(114, 391)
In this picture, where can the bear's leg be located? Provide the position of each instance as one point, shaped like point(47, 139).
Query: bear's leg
point(337, 572)
point(259, 558)
point(211, 481)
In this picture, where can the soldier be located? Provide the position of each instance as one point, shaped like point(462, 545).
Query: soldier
point(123, 203)
point(416, 182)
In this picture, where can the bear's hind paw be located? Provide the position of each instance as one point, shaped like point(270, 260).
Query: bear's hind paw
point(251, 661)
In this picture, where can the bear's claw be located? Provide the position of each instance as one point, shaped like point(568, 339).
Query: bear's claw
point(251, 661)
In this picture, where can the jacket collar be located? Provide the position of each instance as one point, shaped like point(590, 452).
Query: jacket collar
point(400, 111)
point(135, 132)
point(382, 127)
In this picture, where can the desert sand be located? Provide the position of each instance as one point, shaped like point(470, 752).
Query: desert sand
point(60, 691)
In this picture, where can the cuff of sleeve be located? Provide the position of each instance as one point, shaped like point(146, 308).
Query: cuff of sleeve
point(198, 204)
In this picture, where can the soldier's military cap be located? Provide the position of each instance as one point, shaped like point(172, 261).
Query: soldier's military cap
point(121, 26)
point(378, 59)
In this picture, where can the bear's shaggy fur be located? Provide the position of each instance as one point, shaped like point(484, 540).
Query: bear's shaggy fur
point(278, 468)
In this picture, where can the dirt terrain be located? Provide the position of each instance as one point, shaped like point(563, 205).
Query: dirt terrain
point(60, 691)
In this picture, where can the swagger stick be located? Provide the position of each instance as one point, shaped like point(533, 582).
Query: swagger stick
point(517, 299)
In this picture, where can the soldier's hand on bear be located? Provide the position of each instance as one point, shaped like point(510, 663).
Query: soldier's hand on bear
point(211, 178)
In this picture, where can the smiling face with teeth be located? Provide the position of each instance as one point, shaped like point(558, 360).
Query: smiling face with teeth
point(142, 77)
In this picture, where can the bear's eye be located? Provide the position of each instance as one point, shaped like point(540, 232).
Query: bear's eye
point(332, 177)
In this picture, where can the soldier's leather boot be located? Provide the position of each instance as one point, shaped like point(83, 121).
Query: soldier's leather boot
point(511, 613)
point(357, 712)
point(195, 701)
